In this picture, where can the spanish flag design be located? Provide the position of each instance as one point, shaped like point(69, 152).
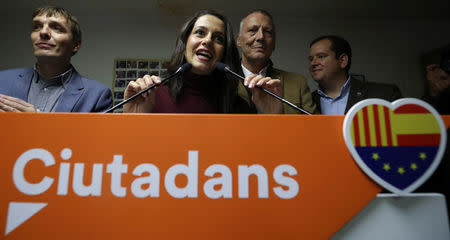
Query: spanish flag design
point(399, 145)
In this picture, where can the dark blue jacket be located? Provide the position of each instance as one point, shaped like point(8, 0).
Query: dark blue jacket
point(81, 95)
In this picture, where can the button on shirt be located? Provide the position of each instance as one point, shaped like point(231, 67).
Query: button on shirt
point(44, 94)
point(335, 106)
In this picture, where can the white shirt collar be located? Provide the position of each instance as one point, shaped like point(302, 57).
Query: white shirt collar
point(247, 72)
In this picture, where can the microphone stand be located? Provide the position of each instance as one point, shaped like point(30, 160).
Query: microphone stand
point(224, 68)
point(185, 67)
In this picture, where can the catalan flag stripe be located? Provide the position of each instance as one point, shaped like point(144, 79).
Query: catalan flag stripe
point(352, 132)
point(377, 125)
point(361, 131)
point(372, 130)
point(366, 126)
point(388, 126)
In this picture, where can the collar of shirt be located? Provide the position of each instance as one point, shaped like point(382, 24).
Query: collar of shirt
point(337, 105)
point(247, 72)
point(61, 79)
point(345, 89)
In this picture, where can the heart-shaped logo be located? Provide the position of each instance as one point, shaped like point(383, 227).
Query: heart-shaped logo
point(399, 144)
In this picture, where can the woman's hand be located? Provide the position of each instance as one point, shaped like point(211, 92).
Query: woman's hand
point(145, 102)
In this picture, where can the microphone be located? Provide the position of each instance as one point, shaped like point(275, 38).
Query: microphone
point(184, 68)
point(225, 69)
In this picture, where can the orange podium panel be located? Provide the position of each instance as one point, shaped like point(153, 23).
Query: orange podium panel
point(168, 176)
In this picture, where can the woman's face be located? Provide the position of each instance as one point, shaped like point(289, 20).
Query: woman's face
point(205, 44)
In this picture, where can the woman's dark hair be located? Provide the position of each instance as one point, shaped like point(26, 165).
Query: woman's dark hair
point(227, 91)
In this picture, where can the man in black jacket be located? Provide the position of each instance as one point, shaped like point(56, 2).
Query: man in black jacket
point(330, 60)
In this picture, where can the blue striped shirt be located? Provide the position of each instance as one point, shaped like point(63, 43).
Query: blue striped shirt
point(335, 106)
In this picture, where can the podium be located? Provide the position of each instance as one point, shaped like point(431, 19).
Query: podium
point(415, 216)
point(167, 176)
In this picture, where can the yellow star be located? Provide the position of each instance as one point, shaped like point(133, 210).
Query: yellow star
point(401, 170)
point(386, 167)
point(422, 155)
point(413, 166)
point(375, 156)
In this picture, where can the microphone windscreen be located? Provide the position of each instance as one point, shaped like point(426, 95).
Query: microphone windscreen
point(185, 67)
point(221, 67)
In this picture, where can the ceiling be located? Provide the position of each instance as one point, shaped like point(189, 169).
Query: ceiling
point(295, 8)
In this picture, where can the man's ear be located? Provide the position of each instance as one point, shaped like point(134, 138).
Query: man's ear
point(343, 60)
point(76, 47)
point(239, 41)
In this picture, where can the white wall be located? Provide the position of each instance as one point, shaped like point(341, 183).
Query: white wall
point(385, 50)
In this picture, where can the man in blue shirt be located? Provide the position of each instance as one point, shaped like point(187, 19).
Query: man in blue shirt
point(330, 60)
point(53, 85)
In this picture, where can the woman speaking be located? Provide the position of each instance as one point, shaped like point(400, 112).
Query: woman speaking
point(205, 39)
